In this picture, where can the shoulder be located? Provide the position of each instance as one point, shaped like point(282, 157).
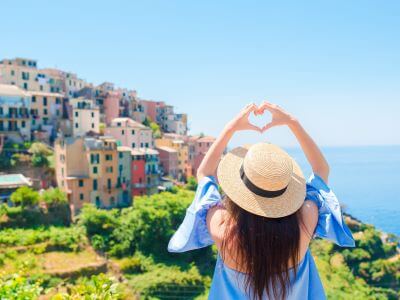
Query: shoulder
point(309, 216)
point(216, 223)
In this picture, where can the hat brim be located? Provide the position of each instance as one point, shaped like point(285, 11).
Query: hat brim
point(289, 202)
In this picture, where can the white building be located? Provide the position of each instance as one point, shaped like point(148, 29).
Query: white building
point(85, 117)
point(15, 107)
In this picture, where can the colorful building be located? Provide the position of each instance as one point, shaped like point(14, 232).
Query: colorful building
point(15, 106)
point(124, 175)
point(111, 106)
point(153, 109)
point(46, 112)
point(169, 161)
point(85, 117)
point(138, 173)
point(198, 147)
point(130, 133)
point(179, 144)
point(87, 169)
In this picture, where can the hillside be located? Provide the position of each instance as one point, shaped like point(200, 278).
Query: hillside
point(129, 247)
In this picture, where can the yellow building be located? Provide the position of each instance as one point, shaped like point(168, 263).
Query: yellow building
point(184, 169)
point(87, 170)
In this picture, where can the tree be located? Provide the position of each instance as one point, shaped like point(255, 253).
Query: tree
point(54, 197)
point(191, 184)
point(25, 196)
point(40, 153)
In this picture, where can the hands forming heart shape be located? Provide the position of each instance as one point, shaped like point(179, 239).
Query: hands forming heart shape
point(279, 117)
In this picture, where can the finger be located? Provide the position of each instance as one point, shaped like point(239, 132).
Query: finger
point(268, 126)
point(251, 107)
point(254, 127)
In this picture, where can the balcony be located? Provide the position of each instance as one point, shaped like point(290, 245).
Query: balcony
point(14, 116)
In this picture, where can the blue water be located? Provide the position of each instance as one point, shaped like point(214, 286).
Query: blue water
point(366, 180)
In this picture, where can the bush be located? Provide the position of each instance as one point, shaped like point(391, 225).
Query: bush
point(169, 283)
point(25, 196)
point(19, 287)
point(97, 287)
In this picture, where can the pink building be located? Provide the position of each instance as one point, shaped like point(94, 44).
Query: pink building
point(198, 147)
point(130, 133)
point(169, 161)
point(152, 108)
point(111, 106)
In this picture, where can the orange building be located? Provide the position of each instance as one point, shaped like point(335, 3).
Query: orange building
point(87, 169)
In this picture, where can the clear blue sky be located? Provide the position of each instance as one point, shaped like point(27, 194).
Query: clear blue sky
point(334, 64)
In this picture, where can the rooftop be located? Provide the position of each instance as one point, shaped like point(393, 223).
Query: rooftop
point(45, 94)
point(127, 122)
point(144, 151)
point(167, 149)
point(12, 90)
point(14, 181)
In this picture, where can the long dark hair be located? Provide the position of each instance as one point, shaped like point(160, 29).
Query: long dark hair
point(264, 248)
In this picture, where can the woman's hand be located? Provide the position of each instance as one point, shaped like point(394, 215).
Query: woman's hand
point(279, 115)
point(241, 121)
point(312, 152)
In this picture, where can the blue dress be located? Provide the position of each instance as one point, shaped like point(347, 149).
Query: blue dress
point(228, 283)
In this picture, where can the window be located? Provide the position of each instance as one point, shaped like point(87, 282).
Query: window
point(25, 86)
point(98, 202)
point(109, 183)
point(92, 125)
point(147, 145)
point(81, 196)
point(34, 99)
point(44, 101)
point(12, 72)
point(94, 184)
point(76, 125)
point(122, 132)
point(108, 156)
point(76, 114)
point(112, 201)
point(23, 124)
point(92, 114)
point(45, 111)
point(80, 183)
point(58, 101)
point(109, 169)
point(41, 87)
point(119, 124)
point(94, 158)
point(133, 145)
point(133, 132)
point(141, 145)
point(94, 170)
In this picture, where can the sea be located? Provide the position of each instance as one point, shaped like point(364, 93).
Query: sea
point(366, 181)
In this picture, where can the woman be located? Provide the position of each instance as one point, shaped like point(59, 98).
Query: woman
point(263, 225)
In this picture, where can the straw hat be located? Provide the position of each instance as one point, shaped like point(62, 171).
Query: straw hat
point(262, 179)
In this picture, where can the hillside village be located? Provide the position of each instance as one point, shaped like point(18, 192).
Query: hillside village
point(105, 144)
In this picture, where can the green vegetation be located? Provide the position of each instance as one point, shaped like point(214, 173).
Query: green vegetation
point(60, 262)
point(154, 127)
point(36, 154)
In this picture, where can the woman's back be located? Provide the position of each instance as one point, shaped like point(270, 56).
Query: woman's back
point(218, 219)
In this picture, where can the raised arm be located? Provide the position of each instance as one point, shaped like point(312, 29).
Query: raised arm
point(314, 155)
point(211, 160)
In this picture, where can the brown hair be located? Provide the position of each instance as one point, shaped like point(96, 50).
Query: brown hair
point(264, 248)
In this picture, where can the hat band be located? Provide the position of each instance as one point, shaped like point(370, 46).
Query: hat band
point(258, 191)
